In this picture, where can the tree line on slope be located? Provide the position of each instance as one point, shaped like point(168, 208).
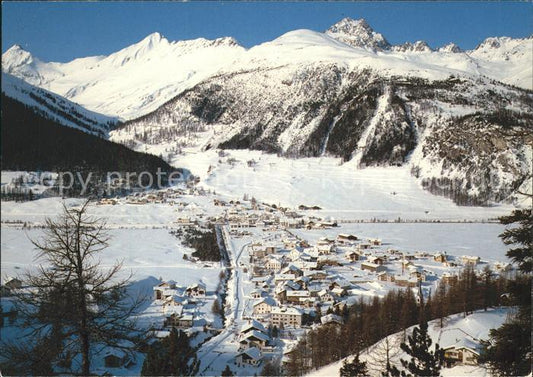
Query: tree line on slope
point(31, 142)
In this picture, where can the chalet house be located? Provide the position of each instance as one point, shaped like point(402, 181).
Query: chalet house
point(303, 282)
point(196, 290)
point(305, 265)
point(13, 283)
point(352, 256)
point(470, 260)
point(253, 339)
point(325, 224)
point(460, 354)
point(344, 239)
point(257, 293)
point(308, 302)
point(250, 356)
point(288, 316)
point(376, 260)
point(290, 242)
point(253, 325)
point(173, 304)
point(364, 246)
point(375, 241)
point(327, 296)
point(324, 249)
point(405, 281)
point(281, 294)
point(181, 321)
point(325, 241)
point(440, 257)
point(372, 267)
point(292, 270)
point(417, 274)
point(316, 275)
point(294, 296)
point(264, 306)
point(332, 319)
point(448, 278)
point(385, 276)
point(161, 288)
point(273, 264)
point(116, 358)
point(338, 291)
point(294, 254)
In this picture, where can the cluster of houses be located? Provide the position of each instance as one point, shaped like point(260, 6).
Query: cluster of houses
point(141, 197)
point(177, 303)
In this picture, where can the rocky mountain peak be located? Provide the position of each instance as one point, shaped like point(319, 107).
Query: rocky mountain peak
point(358, 33)
point(15, 57)
point(451, 47)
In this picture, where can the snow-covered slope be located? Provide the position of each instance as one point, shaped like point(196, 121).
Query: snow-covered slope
point(450, 129)
point(56, 108)
point(457, 331)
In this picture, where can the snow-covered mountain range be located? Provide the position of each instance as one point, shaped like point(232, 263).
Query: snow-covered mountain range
point(460, 119)
point(140, 78)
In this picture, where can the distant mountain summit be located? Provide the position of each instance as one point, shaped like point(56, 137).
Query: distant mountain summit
point(418, 46)
point(357, 33)
point(451, 48)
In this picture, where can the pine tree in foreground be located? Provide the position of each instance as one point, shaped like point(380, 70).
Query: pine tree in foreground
point(508, 351)
point(171, 356)
point(355, 368)
point(423, 361)
point(227, 372)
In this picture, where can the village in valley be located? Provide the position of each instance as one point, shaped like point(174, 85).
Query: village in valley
point(280, 272)
point(287, 272)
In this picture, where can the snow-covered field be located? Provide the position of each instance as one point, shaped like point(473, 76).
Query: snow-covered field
point(455, 239)
point(342, 190)
point(147, 253)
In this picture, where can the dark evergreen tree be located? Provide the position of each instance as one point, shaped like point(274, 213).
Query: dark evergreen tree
point(271, 368)
point(520, 235)
point(354, 368)
point(508, 351)
point(227, 372)
point(171, 356)
point(423, 361)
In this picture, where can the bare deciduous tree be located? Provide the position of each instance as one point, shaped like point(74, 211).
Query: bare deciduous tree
point(72, 305)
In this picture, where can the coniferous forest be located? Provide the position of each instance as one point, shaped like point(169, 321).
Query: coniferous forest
point(32, 142)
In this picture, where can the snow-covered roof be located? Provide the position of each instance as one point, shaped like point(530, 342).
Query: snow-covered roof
point(253, 324)
point(298, 293)
point(258, 335)
point(286, 310)
point(331, 318)
point(266, 300)
point(253, 353)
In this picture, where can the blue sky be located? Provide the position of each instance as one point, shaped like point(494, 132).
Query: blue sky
point(62, 31)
